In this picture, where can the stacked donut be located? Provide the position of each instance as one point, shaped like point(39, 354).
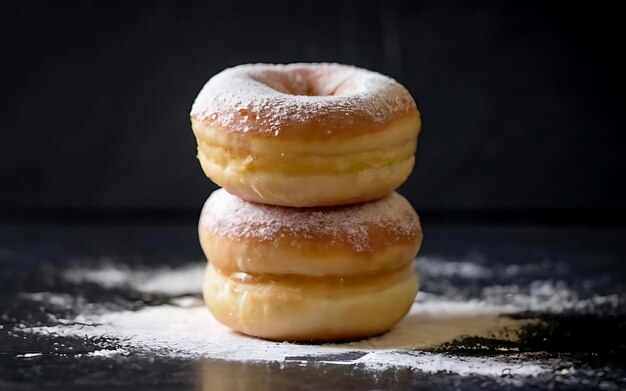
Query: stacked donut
point(307, 240)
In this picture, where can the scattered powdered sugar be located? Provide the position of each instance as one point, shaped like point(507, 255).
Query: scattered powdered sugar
point(464, 366)
point(270, 96)
point(439, 267)
point(28, 355)
point(107, 352)
point(232, 217)
point(190, 331)
point(184, 327)
point(164, 280)
point(545, 296)
point(431, 303)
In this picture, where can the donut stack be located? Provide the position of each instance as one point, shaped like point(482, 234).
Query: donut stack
point(307, 240)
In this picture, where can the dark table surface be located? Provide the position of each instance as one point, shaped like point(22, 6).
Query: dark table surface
point(568, 282)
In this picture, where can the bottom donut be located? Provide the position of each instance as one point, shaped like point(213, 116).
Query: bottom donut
point(301, 308)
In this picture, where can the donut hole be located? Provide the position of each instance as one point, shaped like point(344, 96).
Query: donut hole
point(308, 82)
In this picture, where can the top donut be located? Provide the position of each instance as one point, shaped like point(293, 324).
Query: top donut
point(305, 134)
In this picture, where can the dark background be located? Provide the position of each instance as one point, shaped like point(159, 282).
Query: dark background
point(522, 102)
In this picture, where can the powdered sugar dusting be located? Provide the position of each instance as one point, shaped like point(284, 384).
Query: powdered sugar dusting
point(232, 217)
point(270, 97)
point(189, 331)
point(163, 280)
point(183, 327)
point(438, 267)
point(107, 353)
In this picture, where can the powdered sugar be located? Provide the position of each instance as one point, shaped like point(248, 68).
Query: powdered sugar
point(189, 331)
point(230, 216)
point(464, 366)
point(546, 296)
point(270, 97)
point(439, 267)
point(184, 327)
point(107, 353)
point(163, 280)
point(28, 355)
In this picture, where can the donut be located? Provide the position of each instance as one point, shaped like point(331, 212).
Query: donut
point(373, 237)
point(305, 135)
point(293, 309)
point(301, 274)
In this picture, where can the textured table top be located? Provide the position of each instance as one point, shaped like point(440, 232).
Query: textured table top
point(117, 306)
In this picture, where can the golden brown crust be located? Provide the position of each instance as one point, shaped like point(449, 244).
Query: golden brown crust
point(322, 128)
point(318, 309)
point(310, 258)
